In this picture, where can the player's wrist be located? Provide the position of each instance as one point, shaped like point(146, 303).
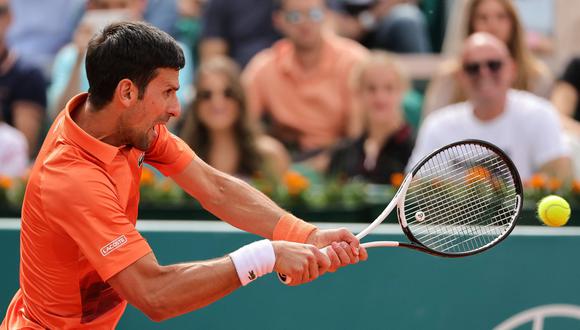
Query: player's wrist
point(254, 260)
point(293, 229)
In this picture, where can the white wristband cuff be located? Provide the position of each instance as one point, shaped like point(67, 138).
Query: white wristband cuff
point(254, 260)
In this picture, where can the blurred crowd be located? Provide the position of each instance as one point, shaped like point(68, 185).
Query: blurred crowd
point(319, 85)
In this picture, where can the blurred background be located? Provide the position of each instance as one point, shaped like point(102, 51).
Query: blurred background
point(324, 105)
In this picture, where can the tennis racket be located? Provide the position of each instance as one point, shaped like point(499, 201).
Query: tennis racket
point(460, 200)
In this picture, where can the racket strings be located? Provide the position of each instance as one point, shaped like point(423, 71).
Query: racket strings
point(461, 199)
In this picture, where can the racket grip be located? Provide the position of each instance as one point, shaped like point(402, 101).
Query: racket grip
point(287, 279)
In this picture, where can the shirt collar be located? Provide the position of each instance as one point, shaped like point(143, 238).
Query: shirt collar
point(76, 135)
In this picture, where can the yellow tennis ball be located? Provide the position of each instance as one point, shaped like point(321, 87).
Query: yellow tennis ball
point(554, 211)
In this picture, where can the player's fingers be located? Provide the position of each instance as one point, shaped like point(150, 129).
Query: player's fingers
point(323, 261)
point(363, 254)
point(313, 271)
point(342, 255)
point(349, 237)
point(351, 255)
point(334, 260)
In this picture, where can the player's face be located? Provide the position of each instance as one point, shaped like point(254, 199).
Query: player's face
point(158, 105)
point(301, 22)
point(487, 72)
point(492, 17)
point(218, 108)
point(381, 92)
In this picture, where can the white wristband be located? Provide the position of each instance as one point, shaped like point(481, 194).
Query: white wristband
point(254, 260)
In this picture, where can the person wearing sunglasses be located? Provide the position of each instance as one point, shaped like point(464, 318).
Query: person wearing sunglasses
point(218, 129)
point(524, 125)
point(301, 84)
point(500, 18)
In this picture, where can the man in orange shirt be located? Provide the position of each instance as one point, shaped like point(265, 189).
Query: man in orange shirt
point(82, 259)
point(303, 81)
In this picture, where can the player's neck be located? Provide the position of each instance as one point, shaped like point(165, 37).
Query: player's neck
point(100, 124)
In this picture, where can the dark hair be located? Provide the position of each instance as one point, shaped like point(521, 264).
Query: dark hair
point(128, 50)
point(196, 134)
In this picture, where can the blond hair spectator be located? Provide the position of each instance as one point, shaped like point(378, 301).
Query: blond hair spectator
point(500, 18)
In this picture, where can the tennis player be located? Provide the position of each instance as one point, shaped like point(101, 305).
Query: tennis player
point(82, 259)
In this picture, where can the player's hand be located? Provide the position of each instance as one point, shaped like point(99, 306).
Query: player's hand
point(301, 262)
point(343, 247)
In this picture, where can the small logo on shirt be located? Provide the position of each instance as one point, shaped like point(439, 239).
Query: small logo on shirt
point(113, 245)
point(140, 161)
point(251, 275)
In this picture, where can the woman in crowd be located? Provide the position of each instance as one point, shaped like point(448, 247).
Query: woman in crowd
point(219, 130)
point(500, 18)
point(386, 145)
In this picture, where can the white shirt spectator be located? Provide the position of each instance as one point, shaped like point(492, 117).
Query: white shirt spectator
point(528, 131)
point(13, 151)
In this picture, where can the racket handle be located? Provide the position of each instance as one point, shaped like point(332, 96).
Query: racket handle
point(287, 279)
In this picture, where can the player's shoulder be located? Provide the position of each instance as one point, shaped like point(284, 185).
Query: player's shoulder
point(66, 165)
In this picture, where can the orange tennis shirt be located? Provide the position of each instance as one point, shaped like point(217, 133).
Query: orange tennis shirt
point(78, 225)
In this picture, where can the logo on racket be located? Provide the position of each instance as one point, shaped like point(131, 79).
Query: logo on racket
point(420, 216)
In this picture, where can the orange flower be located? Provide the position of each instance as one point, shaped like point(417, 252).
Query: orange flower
point(147, 176)
point(537, 181)
point(576, 186)
point(554, 184)
point(6, 182)
point(477, 174)
point(295, 182)
point(397, 179)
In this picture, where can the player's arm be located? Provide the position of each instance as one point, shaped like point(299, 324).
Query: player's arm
point(162, 292)
point(246, 208)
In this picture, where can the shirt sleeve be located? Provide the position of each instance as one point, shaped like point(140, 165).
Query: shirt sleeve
point(94, 218)
point(169, 154)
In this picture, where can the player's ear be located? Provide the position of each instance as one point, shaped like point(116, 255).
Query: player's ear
point(126, 92)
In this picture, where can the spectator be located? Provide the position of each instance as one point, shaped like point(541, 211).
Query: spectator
point(394, 25)
point(22, 88)
point(524, 125)
point(188, 24)
point(219, 130)
point(387, 143)
point(41, 28)
point(69, 75)
point(302, 83)
point(500, 18)
point(239, 29)
point(565, 99)
point(13, 151)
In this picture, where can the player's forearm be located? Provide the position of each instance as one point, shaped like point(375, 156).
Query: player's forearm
point(188, 287)
point(244, 207)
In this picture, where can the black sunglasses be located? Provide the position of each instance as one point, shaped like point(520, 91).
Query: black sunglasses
point(474, 68)
point(205, 95)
